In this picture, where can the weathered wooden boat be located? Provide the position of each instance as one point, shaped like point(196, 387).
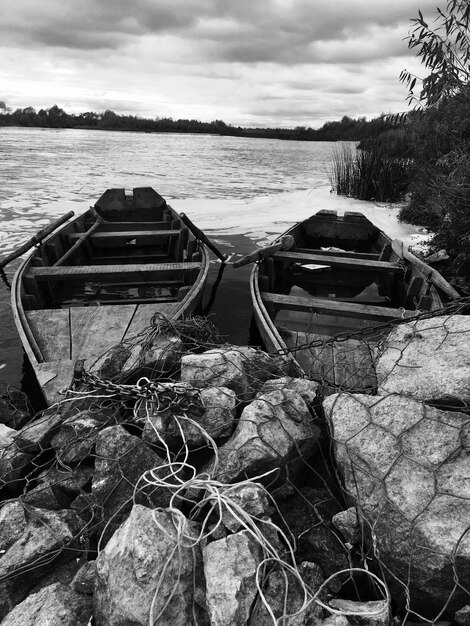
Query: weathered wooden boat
point(339, 275)
point(99, 280)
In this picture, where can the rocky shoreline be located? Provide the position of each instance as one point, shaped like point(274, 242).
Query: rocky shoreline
point(185, 481)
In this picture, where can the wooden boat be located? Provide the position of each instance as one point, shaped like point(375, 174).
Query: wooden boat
point(340, 275)
point(100, 279)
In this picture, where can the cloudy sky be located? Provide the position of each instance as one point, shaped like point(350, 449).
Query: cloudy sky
point(247, 62)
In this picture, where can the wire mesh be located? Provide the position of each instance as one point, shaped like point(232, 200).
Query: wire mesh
point(142, 426)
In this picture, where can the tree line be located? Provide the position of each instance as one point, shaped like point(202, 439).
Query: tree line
point(346, 129)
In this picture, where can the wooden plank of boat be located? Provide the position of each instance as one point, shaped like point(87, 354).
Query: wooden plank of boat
point(51, 328)
point(130, 271)
point(113, 226)
point(347, 254)
point(54, 377)
point(324, 305)
point(137, 234)
point(340, 262)
point(93, 330)
point(144, 313)
point(428, 272)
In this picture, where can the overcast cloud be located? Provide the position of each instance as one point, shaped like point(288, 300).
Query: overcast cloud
point(247, 62)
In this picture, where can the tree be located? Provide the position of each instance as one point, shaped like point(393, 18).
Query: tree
point(440, 190)
point(444, 48)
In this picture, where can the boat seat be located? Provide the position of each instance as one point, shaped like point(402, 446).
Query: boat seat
point(348, 254)
point(132, 226)
point(128, 234)
point(334, 307)
point(348, 263)
point(127, 271)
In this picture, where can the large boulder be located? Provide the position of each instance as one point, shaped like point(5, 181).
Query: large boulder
point(406, 465)
point(308, 389)
point(13, 460)
point(275, 432)
point(47, 538)
point(148, 571)
point(75, 440)
point(57, 487)
point(212, 410)
point(36, 436)
point(55, 605)
point(122, 460)
point(428, 360)
point(230, 567)
point(260, 366)
point(219, 367)
point(15, 408)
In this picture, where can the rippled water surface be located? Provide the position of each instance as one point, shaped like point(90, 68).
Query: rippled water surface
point(240, 191)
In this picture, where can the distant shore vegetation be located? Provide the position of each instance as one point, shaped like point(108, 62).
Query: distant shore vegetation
point(346, 129)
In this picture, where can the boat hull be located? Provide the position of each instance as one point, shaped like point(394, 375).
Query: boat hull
point(100, 279)
point(342, 275)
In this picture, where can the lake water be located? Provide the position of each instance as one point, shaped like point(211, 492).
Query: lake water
point(240, 191)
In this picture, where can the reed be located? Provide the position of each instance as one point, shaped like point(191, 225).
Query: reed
point(370, 174)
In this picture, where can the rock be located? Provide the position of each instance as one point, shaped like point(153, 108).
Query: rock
point(376, 612)
point(42, 497)
point(49, 538)
point(275, 595)
point(251, 498)
point(76, 438)
point(141, 565)
point(36, 436)
point(216, 368)
point(67, 483)
point(428, 360)
point(462, 616)
point(121, 461)
point(162, 355)
point(12, 524)
point(308, 389)
point(259, 366)
point(113, 362)
point(55, 605)
point(57, 488)
point(336, 620)
point(308, 515)
point(213, 408)
point(406, 465)
point(275, 432)
point(63, 573)
point(15, 409)
point(84, 579)
point(13, 460)
point(230, 566)
point(348, 525)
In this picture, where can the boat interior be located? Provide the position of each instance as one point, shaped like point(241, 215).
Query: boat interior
point(343, 275)
point(127, 249)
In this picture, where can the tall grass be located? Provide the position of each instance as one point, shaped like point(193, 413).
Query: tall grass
point(370, 174)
